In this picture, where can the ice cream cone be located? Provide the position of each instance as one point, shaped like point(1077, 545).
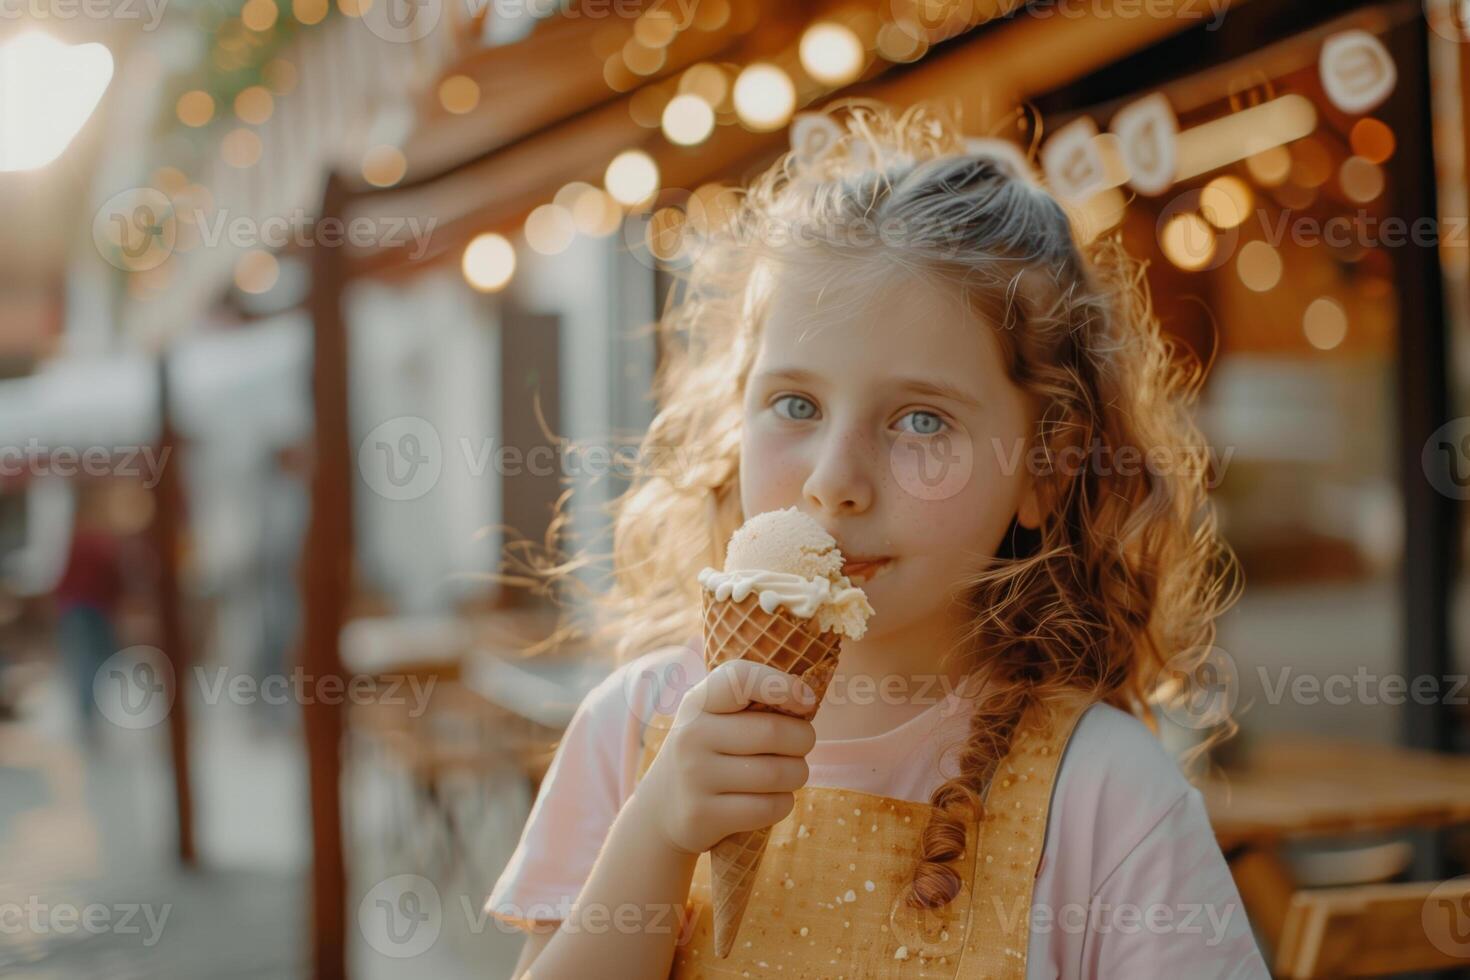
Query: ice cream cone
point(745, 631)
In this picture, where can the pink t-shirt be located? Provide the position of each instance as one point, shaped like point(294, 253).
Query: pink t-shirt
point(1131, 883)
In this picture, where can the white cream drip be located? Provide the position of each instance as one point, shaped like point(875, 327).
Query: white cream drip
point(803, 597)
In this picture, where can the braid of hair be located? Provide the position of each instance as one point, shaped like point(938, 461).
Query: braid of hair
point(992, 726)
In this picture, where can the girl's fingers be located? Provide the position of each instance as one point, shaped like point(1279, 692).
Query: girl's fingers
point(754, 774)
point(735, 685)
point(750, 811)
point(757, 733)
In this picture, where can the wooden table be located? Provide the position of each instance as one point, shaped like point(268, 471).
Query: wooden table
point(1297, 787)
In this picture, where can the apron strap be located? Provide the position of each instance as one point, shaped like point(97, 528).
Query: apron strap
point(1010, 841)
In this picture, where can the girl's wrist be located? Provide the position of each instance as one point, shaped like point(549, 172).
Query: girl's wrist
point(643, 816)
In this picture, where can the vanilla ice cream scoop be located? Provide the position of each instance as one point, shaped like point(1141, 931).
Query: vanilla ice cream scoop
point(784, 541)
point(790, 561)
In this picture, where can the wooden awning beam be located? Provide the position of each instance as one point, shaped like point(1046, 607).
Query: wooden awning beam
point(984, 79)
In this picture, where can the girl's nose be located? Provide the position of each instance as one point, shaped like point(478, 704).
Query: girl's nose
point(840, 481)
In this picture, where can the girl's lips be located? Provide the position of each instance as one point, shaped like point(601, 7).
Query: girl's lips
point(865, 569)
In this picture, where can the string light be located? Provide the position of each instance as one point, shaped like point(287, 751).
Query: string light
point(1259, 266)
point(1225, 202)
point(1362, 180)
point(1189, 242)
point(256, 271)
point(195, 108)
point(459, 94)
point(489, 262)
point(631, 177)
point(1325, 323)
point(595, 213)
point(764, 97)
point(309, 12)
point(254, 105)
point(688, 120)
point(259, 15)
point(831, 53)
point(241, 148)
point(1372, 140)
point(550, 229)
point(383, 165)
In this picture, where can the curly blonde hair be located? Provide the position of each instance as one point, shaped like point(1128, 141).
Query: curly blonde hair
point(1113, 597)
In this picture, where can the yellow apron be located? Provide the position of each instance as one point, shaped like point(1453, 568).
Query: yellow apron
point(827, 899)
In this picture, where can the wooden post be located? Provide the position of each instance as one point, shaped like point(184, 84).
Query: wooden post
point(326, 583)
point(167, 518)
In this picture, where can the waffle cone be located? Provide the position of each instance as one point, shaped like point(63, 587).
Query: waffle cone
point(744, 631)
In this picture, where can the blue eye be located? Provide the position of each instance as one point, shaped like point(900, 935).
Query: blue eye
point(932, 426)
point(797, 416)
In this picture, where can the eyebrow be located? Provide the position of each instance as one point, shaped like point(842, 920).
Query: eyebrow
point(924, 386)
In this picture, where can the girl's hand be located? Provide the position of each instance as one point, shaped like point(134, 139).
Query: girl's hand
point(725, 768)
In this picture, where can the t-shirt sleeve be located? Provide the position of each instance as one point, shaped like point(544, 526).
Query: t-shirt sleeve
point(591, 775)
point(1171, 908)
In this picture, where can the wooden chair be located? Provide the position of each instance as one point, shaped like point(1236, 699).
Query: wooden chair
point(1376, 930)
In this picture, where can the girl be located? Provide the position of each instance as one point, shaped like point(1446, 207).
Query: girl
point(902, 339)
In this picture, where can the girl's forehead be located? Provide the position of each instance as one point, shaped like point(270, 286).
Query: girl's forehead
point(874, 328)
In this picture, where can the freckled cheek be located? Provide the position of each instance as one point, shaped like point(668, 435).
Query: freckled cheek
point(771, 470)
